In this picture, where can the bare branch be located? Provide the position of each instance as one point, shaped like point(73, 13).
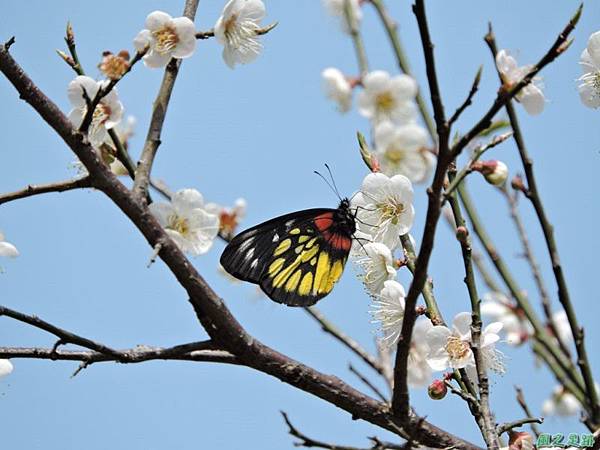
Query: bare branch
point(159, 112)
point(526, 410)
point(506, 427)
point(37, 189)
point(469, 99)
point(365, 380)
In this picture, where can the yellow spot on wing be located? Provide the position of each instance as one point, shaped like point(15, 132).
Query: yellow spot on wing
point(303, 239)
point(293, 281)
point(313, 261)
point(307, 255)
point(321, 273)
point(334, 274)
point(282, 247)
point(285, 273)
point(306, 284)
point(295, 231)
point(276, 266)
point(299, 249)
point(310, 243)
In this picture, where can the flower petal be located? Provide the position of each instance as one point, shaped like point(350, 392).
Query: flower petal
point(462, 324)
point(157, 20)
point(8, 250)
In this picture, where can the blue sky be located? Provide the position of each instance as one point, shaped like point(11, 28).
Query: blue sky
point(258, 132)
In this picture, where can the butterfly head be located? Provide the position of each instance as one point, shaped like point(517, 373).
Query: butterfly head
point(344, 217)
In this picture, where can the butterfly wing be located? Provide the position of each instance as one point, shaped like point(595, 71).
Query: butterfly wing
point(296, 259)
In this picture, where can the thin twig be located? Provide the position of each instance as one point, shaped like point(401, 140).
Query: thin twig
point(70, 41)
point(37, 189)
point(159, 112)
point(64, 335)
point(469, 100)
point(359, 47)
point(526, 410)
point(468, 168)
point(485, 418)
point(505, 427)
point(328, 327)
point(533, 264)
point(548, 231)
point(367, 382)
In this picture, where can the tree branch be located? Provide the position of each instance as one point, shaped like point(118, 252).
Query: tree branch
point(469, 99)
point(159, 112)
point(526, 410)
point(37, 189)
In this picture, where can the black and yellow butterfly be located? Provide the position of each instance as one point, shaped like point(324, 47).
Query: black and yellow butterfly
point(297, 258)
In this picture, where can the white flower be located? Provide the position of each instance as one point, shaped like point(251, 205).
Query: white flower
point(561, 403)
point(401, 150)
point(498, 308)
point(229, 218)
point(7, 249)
point(187, 222)
point(451, 348)
point(531, 96)
point(377, 265)
point(418, 370)
point(589, 89)
point(336, 8)
point(561, 323)
point(388, 311)
point(165, 38)
point(6, 367)
point(236, 30)
point(337, 88)
point(108, 112)
point(384, 208)
point(386, 98)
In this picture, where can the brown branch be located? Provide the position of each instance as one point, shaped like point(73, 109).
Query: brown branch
point(526, 410)
point(159, 112)
point(368, 383)
point(37, 189)
point(65, 337)
point(506, 427)
point(533, 195)
point(195, 351)
point(346, 340)
point(400, 398)
point(469, 100)
point(211, 311)
point(504, 96)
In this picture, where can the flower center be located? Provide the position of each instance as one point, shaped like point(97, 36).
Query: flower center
point(166, 39)
point(456, 348)
point(242, 34)
point(394, 154)
point(385, 102)
point(179, 224)
point(114, 66)
point(391, 210)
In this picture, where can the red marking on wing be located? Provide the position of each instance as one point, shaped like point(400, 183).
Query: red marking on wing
point(340, 242)
point(323, 221)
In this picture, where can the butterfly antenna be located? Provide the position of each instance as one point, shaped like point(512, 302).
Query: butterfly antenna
point(333, 181)
point(328, 183)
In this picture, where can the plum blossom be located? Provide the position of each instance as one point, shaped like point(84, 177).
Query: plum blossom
point(337, 88)
point(108, 112)
point(229, 218)
point(6, 367)
point(7, 249)
point(387, 98)
point(498, 308)
point(531, 96)
point(336, 8)
point(589, 87)
point(377, 266)
point(561, 403)
point(384, 208)
point(237, 29)
point(388, 311)
point(164, 38)
point(401, 150)
point(187, 221)
point(451, 348)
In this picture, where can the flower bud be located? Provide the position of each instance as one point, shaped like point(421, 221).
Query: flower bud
point(437, 390)
point(518, 184)
point(114, 66)
point(462, 234)
point(495, 172)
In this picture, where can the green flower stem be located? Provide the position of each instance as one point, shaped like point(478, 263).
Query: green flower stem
point(359, 47)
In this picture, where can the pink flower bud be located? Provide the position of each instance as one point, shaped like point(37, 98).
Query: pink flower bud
point(495, 172)
point(520, 440)
point(437, 390)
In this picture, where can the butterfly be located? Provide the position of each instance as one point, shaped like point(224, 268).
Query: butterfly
point(297, 258)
